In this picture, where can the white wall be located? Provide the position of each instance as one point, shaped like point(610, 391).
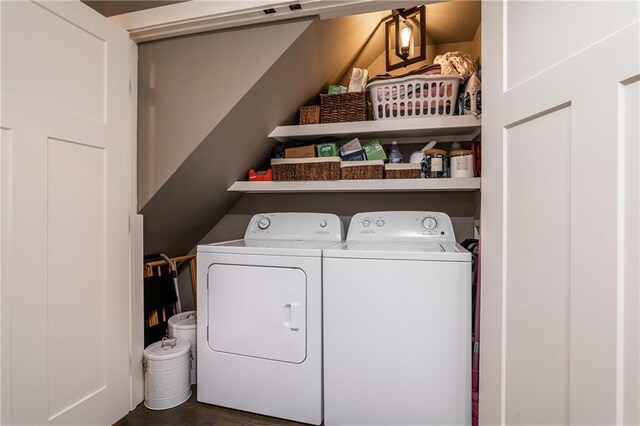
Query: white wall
point(187, 85)
point(372, 56)
point(460, 206)
point(476, 45)
point(194, 197)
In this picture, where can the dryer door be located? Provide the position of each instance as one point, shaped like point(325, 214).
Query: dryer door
point(258, 311)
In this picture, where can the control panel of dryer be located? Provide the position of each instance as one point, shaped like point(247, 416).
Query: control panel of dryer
point(295, 226)
point(396, 226)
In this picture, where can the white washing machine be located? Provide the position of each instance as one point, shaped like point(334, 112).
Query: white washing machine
point(260, 316)
point(397, 323)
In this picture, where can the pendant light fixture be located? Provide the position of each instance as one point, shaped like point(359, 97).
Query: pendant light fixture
point(405, 38)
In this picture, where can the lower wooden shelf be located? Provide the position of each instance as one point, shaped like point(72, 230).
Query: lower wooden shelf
point(373, 185)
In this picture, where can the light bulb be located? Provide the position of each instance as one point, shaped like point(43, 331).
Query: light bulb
point(405, 39)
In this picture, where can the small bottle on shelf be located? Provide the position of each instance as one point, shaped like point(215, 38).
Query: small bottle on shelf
point(395, 156)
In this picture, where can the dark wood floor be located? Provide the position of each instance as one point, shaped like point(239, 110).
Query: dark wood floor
point(194, 413)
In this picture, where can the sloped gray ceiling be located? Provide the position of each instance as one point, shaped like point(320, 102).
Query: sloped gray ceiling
point(194, 198)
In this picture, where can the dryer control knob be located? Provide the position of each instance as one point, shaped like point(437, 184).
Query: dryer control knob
point(380, 222)
point(263, 223)
point(366, 223)
point(429, 223)
point(323, 223)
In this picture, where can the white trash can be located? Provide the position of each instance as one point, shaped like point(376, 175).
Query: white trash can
point(167, 379)
point(183, 326)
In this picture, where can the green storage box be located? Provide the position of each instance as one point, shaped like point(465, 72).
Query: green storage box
point(374, 150)
point(335, 89)
point(327, 150)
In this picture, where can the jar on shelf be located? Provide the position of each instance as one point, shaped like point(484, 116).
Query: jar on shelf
point(434, 164)
point(461, 163)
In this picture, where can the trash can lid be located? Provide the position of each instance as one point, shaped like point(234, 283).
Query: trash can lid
point(167, 348)
point(185, 320)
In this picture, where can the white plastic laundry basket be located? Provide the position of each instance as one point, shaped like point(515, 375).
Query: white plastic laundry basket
point(183, 326)
point(414, 96)
point(167, 381)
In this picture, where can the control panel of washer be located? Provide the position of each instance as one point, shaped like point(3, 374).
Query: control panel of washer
point(295, 226)
point(405, 225)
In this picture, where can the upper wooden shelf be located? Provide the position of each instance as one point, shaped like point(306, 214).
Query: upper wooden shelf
point(462, 128)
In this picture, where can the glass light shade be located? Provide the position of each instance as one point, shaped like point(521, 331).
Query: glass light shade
point(405, 37)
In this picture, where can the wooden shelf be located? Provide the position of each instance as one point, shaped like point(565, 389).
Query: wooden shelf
point(373, 185)
point(462, 128)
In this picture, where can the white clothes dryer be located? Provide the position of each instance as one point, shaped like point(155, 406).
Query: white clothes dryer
point(260, 316)
point(397, 323)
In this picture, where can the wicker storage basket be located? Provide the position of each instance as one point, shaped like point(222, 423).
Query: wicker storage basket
point(402, 171)
point(372, 169)
point(414, 96)
point(343, 107)
point(327, 168)
point(310, 114)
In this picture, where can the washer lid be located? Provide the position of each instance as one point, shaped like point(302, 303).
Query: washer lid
point(183, 321)
point(399, 250)
point(167, 349)
point(269, 247)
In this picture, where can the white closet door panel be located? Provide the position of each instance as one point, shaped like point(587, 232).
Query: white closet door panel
point(67, 71)
point(539, 35)
point(538, 269)
point(593, 306)
point(559, 337)
point(6, 207)
point(76, 221)
point(629, 235)
point(65, 102)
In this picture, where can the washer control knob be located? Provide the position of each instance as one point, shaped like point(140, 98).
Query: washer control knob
point(429, 223)
point(380, 222)
point(323, 223)
point(366, 223)
point(263, 223)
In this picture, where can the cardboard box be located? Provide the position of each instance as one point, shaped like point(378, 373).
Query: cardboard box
point(300, 152)
point(358, 80)
point(327, 150)
point(374, 150)
point(335, 89)
point(354, 156)
point(352, 151)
